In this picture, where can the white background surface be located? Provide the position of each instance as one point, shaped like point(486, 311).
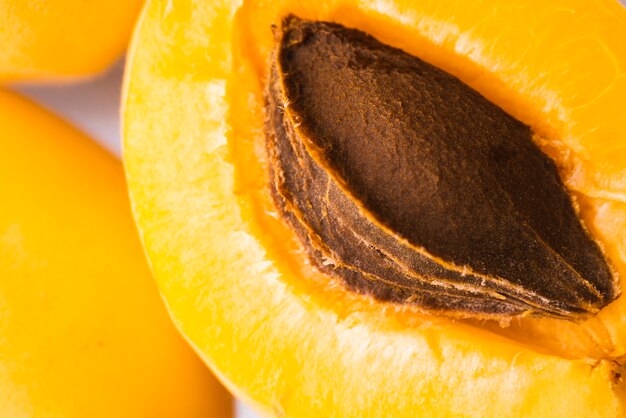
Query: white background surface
point(93, 107)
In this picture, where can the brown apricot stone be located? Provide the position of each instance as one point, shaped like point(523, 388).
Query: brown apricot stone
point(409, 185)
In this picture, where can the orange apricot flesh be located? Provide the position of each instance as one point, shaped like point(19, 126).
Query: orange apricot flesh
point(235, 275)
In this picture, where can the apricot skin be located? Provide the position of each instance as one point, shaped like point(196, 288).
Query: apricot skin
point(83, 332)
point(298, 345)
point(62, 40)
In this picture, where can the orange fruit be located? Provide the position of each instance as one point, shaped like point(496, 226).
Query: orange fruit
point(62, 40)
point(287, 338)
point(83, 331)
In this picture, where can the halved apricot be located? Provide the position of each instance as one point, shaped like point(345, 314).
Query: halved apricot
point(83, 332)
point(236, 276)
point(62, 40)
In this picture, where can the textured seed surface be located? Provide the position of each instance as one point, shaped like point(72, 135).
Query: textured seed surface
point(408, 185)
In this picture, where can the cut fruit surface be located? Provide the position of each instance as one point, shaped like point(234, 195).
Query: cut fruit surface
point(234, 275)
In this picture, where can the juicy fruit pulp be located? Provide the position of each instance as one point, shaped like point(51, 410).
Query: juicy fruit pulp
point(285, 337)
point(83, 331)
point(410, 186)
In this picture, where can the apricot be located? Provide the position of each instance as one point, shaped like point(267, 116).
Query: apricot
point(62, 40)
point(236, 276)
point(83, 332)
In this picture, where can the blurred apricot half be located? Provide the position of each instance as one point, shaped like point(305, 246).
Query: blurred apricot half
point(83, 331)
point(293, 341)
point(62, 40)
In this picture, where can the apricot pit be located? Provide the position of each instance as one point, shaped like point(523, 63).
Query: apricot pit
point(410, 186)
